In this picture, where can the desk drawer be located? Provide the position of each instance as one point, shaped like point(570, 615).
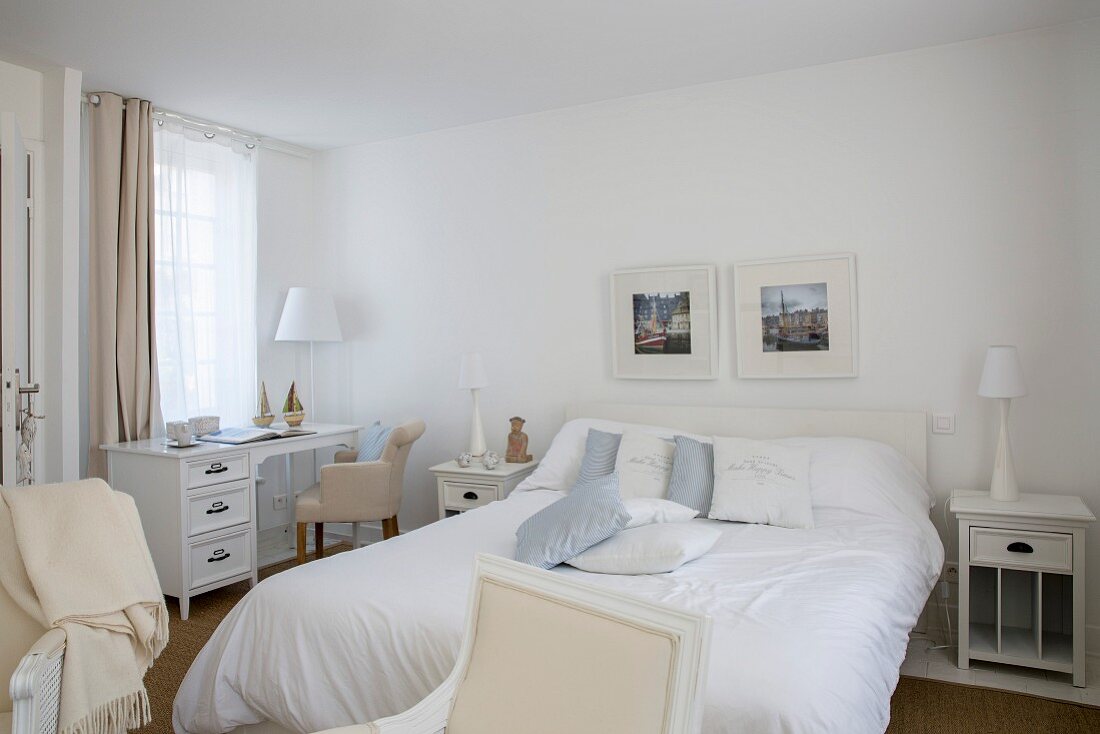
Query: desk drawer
point(222, 508)
point(215, 471)
point(995, 547)
point(220, 558)
point(467, 496)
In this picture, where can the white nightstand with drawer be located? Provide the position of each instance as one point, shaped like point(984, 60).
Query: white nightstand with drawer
point(1022, 581)
point(462, 489)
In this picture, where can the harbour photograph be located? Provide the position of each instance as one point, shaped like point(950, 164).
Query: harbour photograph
point(794, 318)
point(662, 323)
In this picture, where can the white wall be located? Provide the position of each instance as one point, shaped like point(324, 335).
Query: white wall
point(21, 93)
point(287, 249)
point(964, 177)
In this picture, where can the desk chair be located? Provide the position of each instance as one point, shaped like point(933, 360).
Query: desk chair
point(357, 491)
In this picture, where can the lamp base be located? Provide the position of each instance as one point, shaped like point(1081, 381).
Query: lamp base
point(477, 433)
point(1003, 486)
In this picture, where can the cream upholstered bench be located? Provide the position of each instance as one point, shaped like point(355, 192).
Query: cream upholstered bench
point(544, 653)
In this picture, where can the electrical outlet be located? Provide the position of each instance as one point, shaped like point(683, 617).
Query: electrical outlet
point(279, 501)
point(951, 572)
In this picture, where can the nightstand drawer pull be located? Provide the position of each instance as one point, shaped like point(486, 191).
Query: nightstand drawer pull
point(1018, 547)
point(470, 496)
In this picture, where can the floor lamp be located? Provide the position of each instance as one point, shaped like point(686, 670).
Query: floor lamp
point(309, 315)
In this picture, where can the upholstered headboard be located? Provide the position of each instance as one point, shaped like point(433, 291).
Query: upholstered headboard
point(905, 431)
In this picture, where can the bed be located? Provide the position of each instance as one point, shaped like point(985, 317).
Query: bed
point(809, 626)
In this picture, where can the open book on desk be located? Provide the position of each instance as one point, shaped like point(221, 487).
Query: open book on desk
point(236, 436)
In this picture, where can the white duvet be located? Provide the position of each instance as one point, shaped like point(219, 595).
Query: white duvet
point(810, 626)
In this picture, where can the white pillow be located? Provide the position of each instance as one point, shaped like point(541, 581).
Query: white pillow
point(761, 482)
point(647, 511)
point(656, 548)
point(559, 467)
point(644, 465)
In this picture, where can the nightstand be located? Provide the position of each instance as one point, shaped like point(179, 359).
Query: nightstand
point(1022, 581)
point(462, 489)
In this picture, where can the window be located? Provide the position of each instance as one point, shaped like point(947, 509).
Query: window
point(205, 193)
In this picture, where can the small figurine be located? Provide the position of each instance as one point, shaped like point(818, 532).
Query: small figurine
point(490, 460)
point(463, 459)
point(517, 443)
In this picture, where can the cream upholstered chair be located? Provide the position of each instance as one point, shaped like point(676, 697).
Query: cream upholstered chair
point(357, 491)
point(545, 653)
point(30, 669)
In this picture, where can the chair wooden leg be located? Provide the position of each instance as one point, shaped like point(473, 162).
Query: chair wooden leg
point(319, 538)
point(389, 527)
point(301, 543)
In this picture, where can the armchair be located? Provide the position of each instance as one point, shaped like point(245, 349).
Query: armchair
point(355, 492)
point(543, 653)
point(31, 659)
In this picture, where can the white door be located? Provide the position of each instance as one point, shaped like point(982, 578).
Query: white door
point(14, 291)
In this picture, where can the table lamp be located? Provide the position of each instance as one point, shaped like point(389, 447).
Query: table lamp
point(1002, 378)
point(309, 315)
point(471, 376)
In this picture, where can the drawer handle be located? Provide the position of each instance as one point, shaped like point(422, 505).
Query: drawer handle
point(219, 555)
point(217, 507)
point(1019, 547)
point(217, 468)
point(470, 496)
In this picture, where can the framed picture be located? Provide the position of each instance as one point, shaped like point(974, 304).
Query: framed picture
point(796, 317)
point(664, 323)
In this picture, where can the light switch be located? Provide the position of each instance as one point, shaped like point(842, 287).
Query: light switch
point(943, 423)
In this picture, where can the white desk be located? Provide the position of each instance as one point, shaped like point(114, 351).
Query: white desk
point(197, 505)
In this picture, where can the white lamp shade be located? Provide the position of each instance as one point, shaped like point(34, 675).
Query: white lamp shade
point(471, 374)
point(1002, 376)
point(309, 315)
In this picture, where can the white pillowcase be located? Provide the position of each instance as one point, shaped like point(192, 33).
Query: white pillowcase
point(656, 548)
point(644, 465)
point(559, 467)
point(647, 511)
point(761, 482)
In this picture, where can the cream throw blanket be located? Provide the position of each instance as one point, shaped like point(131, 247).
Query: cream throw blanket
point(74, 556)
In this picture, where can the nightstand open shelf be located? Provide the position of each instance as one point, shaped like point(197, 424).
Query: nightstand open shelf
point(1021, 618)
point(1022, 581)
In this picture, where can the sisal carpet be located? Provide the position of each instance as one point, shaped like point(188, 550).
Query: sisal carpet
point(919, 706)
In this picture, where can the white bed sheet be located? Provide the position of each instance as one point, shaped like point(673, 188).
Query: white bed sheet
point(810, 626)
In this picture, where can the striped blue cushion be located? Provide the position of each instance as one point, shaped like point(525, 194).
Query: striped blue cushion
point(600, 450)
point(692, 481)
point(370, 448)
point(592, 512)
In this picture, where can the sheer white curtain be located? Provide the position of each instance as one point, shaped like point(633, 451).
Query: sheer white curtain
point(205, 275)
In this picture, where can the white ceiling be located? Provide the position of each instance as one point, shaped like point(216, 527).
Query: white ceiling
point(336, 72)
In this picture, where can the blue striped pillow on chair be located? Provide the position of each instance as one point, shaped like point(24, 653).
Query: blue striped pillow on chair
point(692, 481)
point(592, 512)
point(374, 442)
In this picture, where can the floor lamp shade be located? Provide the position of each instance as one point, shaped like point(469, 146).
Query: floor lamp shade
point(1003, 379)
point(472, 377)
point(309, 315)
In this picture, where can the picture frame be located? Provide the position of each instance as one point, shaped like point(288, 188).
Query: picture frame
point(797, 317)
point(664, 323)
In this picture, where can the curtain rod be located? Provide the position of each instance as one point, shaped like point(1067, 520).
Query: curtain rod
point(211, 129)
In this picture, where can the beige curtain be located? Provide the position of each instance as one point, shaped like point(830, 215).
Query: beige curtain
point(124, 399)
